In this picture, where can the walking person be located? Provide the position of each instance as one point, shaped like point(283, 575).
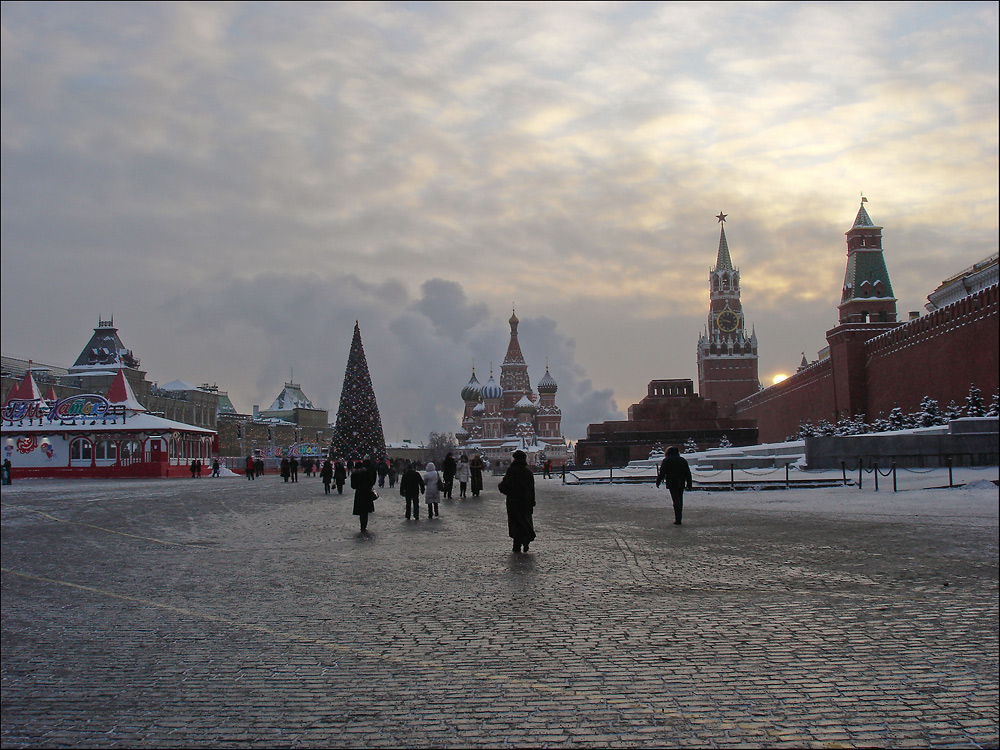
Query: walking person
point(383, 471)
point(363, 482)
point(518, 484)
point(676, 473)
point(462, 474)
point(476, 467)
point(339, 475)
point(411, 486)
point(448, 469)
point(251, 469)
point(326, 474)
point(293, 466)
point(433, 484)
point(285, 470)
point(215, 467)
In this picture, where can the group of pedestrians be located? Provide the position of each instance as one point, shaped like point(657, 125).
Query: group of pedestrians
point(518, 485)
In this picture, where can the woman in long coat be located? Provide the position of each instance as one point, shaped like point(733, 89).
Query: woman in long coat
point(476, 474)
point(432, 490)
point(518, 485)
point(363, 479)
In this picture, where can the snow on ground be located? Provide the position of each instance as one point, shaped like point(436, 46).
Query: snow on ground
point(923, 494)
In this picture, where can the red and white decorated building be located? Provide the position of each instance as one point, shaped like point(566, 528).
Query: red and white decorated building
point(94, 435)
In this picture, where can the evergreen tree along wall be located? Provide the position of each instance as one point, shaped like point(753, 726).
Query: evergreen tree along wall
point(358, 431)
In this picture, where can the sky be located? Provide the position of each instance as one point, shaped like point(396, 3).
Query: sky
point(238, 183)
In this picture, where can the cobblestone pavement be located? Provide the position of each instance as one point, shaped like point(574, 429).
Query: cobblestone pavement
point(220, 612)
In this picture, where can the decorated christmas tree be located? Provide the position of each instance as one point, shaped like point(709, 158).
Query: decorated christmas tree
point(358, 432)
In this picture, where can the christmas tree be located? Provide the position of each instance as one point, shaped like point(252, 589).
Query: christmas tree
point(358, 431)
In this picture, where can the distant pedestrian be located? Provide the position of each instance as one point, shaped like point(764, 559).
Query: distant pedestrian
point(382, 469)
point(363, 478)
point(339, 475)
point(518, 485)
point(193, 468)
point(293, 466)
point(433, 485)
point(448, 470)
point(326, 474)
point(393, 473)
point(462, 474)
point(411, 486)
point(6, 471)
point(676, 473)
point(285, 469)
point(258, 466)
point(251, 469)
point(215, 467)
point(476, 467)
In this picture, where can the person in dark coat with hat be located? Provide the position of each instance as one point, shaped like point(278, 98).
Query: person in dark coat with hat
point(518, 484)
point(411, 486)
point(677, 474)
point(363, 478)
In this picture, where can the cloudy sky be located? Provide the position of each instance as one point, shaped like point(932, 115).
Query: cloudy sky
point(238, 183)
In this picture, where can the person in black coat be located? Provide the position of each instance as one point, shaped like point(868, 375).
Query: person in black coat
point(363, 478)
point(448, 469)
point(411, 487)
point(677, 474)
point(339, 476)
point(518, 484)
point(326, 474)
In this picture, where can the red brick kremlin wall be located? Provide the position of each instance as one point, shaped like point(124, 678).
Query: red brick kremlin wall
point(938, 355)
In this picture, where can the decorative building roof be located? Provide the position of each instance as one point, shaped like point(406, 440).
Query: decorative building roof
point(291, 397)
point(491, 391)
point(723, 261)
point(867, 275)
point(863, 219)
point(105, 350)
point(473, 389)
point(121, 393)
point(27, 389)
point(524, 404)
point(547, 384)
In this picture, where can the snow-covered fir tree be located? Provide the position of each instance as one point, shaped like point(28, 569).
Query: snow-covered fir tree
point(690, 446)
point(954, 411)
point(725, 442)
point(929, 414)
point(994, 410)
point(974, 406)
point(897, 419)
point(358, 431)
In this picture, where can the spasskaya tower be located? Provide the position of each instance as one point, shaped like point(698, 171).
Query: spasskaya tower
point(727, 354)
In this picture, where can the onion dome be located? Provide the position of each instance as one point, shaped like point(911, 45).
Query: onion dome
point(547, 384)
point(491, 391)
point(472, 390)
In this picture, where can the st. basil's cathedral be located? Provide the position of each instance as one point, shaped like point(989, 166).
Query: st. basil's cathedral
point(501, 418)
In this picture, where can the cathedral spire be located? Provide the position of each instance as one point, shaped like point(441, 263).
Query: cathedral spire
point(723, 261)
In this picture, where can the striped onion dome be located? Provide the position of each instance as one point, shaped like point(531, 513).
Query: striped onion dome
point(472, 390)
point(491, 391)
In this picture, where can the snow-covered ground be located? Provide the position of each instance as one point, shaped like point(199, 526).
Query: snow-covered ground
point(926, 494)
